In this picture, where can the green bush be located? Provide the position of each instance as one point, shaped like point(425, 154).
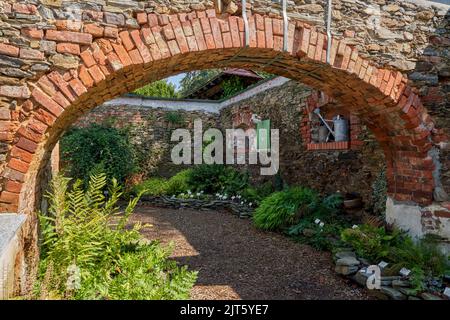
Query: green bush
point(98, 147)
point(179, 183)
point(310, 230)
point(89, 252)
point(284, 208)
point(258, 193)
point(371, 242)
point(160, 186)
point(152, 187)
point(214, 178)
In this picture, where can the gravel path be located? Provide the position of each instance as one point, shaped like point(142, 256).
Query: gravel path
point(237, 261)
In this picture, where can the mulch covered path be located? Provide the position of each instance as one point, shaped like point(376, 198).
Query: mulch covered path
point(237, 261)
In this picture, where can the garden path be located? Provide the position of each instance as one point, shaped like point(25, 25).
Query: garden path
point(237, 261)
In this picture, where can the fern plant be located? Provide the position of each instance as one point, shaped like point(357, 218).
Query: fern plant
point(89, 252)
point(284, 208)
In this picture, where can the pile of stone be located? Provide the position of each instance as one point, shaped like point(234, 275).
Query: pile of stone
point(240, 210)
point(397, 287)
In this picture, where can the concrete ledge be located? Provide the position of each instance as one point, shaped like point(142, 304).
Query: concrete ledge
point(12, 265)
point(211, 106)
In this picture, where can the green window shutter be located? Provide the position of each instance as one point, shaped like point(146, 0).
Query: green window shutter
point(263, 135)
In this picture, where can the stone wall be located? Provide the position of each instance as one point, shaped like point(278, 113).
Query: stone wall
point(328, 171)
point(150, 131)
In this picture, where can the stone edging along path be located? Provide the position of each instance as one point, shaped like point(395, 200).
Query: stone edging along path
point(242, 211)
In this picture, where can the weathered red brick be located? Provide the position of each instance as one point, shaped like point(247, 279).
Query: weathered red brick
point(87, 58)
point(9, 50)
point(85, 77)
point(111, 32)
point(32, 33)
point(141, 17)
point(24, 8)
point(69, 36)
point(95, 30)
point(18, 165)
point(143, 50)
point(70, 48)
point(47, 102)
point(96, 74)
point(126, 40)
point(9, 197)
point(13, 186)
point(20, 92)
point(27, 145)
point(122, 54)
point(77, 86)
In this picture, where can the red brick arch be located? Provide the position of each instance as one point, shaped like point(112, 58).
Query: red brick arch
point(124, 59)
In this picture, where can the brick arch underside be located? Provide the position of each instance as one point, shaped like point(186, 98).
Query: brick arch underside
point(110, 67)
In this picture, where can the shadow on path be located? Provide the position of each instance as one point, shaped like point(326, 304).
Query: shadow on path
point(235, 260)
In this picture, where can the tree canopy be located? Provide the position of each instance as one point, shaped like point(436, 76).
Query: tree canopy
point(159, 89)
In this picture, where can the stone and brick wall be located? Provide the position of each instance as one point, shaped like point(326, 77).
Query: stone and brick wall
point(353, 169)
point(388, 66)
point(150, 131)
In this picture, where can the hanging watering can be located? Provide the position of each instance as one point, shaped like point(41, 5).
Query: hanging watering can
point(340, 129)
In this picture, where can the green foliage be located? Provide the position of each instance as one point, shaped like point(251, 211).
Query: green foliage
point(258, 193)
point(100, 147)
point(284, 208)
point(179, 183)
point(89, 252)
point(379, 194)
point(213, 178)
point(324, 237)
point(423, 258)
point(371, 242)
point(160, 186)
point(174, 117)
point(152, 187)
point(158, 89)
point(232, 86)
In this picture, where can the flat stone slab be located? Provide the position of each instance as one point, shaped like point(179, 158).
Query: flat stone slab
point(9, 224)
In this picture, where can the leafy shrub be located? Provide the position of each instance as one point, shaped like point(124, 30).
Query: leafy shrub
point(423, 258)
point(284, 208)
point(322, 228)
point(213, 178)
point(160, 186)
point(152, 187)
point(100, 148)
point(232, 86)
point(371, 242)
point(88, 252)
point(179, 182)
point(258, 193)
